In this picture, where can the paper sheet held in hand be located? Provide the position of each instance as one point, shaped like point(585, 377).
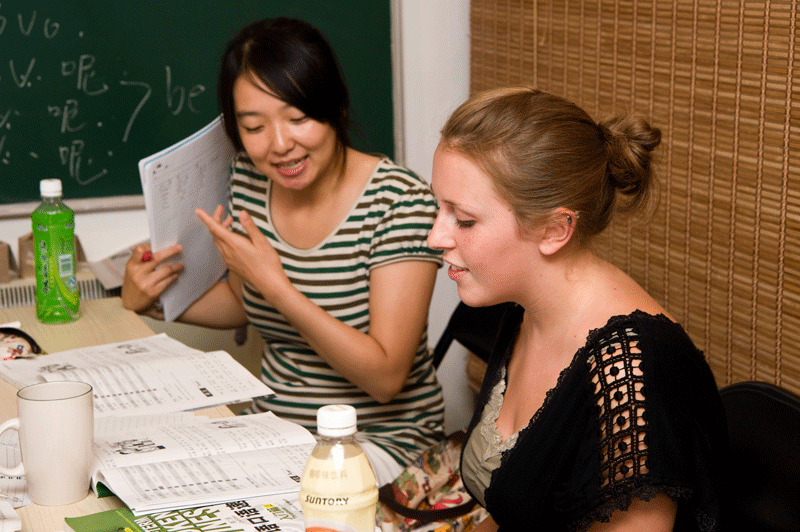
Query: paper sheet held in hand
point(191, 174)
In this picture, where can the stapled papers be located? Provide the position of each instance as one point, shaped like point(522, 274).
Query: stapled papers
point(191, 174)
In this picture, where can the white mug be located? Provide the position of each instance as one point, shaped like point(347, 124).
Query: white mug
point(55, 421)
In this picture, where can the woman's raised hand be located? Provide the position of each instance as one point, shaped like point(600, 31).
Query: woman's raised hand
point(252, 257)
point(147, 276)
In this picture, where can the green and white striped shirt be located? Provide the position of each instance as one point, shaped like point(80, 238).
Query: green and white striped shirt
point(389, 222)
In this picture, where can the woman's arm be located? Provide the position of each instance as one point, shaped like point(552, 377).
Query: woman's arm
point(655, 515)
point(488, 525)
point(400, 295)
point(378, 362)
point(220, 307)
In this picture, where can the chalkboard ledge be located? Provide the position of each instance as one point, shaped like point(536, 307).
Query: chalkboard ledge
point(110, 203)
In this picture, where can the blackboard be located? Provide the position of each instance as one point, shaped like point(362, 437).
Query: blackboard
point(90, 87)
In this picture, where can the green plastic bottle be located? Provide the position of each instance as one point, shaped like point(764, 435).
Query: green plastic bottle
point(57, 297)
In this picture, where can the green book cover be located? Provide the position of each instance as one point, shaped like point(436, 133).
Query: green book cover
point(261, 514)
point(116, 520)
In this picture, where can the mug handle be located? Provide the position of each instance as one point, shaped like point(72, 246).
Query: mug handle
point(11, 424)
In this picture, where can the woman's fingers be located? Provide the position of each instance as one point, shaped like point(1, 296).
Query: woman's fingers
point(166, 276)
point(250, 227)
point(144, 259)
point(211, 222)
point(139, 252)
point(166, 253)
point(149, 278)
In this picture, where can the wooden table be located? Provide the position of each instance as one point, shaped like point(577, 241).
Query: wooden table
point(102, 321)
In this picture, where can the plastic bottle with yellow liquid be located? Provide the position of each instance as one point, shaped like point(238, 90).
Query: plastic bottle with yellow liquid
point(338, 492)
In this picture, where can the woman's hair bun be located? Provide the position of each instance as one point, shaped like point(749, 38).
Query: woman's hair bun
point(630, 141)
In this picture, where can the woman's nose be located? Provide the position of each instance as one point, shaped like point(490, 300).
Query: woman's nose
point(437, 238)
point(282, 141)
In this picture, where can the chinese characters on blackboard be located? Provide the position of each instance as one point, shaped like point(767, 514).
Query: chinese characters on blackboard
point(62, 101)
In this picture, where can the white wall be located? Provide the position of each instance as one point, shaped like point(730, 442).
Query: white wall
point(435, 79)
point(433, 72)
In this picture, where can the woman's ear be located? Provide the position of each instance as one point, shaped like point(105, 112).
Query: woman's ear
point(558, 231)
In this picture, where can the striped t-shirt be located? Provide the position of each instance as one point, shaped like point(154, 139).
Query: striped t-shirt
point(389, 222)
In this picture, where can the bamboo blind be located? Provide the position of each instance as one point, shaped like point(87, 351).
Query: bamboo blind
point(720, 81)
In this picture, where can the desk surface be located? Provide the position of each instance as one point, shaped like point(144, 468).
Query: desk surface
point(102, 321)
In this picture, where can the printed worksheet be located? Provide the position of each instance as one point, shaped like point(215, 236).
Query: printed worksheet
point(190, 174)
point(203, 437)
point(14, 490)
point(108, 426)
point(179, 466)
point(152, 375)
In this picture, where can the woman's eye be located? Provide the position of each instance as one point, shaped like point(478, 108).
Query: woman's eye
point(465, 224)
point(299, 120)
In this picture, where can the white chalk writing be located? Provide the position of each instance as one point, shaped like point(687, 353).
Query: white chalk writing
point(77, 107)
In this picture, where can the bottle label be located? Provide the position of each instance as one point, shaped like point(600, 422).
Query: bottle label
point(339, 495)
point(57, 297)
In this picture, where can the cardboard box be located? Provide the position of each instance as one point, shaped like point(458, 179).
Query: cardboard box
point(8, 269)
point(27, 265)
point(25, 254)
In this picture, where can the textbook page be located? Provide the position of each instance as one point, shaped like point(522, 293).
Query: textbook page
point(9, 519)
point(14, 490)
point(153, 375)
point(226, 459)
point(107, 426)
point(209, 437)
point(190, 174)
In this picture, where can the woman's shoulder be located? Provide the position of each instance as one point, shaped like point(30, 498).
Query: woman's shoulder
point(656, 340)
point(397, 188)
point(243, 169)
point(638, 323)
point(389, 173)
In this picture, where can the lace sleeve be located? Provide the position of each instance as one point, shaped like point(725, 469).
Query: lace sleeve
point(615, 371)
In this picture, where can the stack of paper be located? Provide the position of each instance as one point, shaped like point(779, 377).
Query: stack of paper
point(191, 174)
point(9, 519)
point(153, 375)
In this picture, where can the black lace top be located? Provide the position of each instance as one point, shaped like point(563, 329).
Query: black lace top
point(636, 413)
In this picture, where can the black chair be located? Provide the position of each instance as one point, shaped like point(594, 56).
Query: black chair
point(764, 432)
point(477, 328)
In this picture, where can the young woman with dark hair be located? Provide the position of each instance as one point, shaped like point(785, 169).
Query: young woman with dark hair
point(326, 249)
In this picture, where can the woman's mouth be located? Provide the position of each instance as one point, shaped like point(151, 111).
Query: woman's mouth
point(292, 168)
point(455, 273)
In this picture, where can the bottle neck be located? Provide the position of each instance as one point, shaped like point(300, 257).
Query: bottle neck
point(346, 438)
point(51, 200)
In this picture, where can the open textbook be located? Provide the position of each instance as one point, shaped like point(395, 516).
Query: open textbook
point(15, 489)
point(188, 175)
point(187, 465)
point(152, 375)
